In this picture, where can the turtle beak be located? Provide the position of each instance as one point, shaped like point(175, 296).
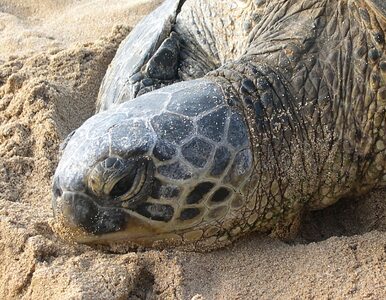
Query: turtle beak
point(138, 232)
point(79, 218)
point(77, 210)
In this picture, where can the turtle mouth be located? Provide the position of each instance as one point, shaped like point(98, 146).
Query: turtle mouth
point(78, 214)
point(79, 210)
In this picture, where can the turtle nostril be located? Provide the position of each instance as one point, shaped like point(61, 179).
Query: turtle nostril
point(57, 192)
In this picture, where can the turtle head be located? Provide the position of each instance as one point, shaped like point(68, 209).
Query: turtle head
point(168, 166)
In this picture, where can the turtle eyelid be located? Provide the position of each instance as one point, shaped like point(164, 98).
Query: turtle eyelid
point(130, 184)
point(123, 185)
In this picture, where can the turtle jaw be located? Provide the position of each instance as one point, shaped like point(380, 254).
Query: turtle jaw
point(80, 219)
point(137, 232)
point(76, 210)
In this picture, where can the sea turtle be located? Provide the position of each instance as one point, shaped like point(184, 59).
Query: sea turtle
point(220, 117)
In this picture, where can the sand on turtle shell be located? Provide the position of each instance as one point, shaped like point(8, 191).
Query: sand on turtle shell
point(53, 56)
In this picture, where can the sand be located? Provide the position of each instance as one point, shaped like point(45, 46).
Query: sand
point(53, 55)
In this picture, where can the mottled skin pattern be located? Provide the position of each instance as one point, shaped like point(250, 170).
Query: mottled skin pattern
point(289, 115)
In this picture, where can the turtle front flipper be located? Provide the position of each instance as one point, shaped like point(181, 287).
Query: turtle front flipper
point(146, 60)
point(161, 69)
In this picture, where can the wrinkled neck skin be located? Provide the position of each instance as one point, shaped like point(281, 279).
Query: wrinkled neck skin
point(312, 86)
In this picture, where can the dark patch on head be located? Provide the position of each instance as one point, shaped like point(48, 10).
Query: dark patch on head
point(163, 191)
point(156, 189)
point(175, 171)
point(195, 100)
point(169, 191)
point(171, 127)
point(221, 161)
point(163, 151)
point(197, 152)
point(220, 195)
point(195, 196)
point(237, 132)
point(86, 214)
point(157, 212)
point(140, 150)
point(212, 125)
point(109, 220)
point(189, 213)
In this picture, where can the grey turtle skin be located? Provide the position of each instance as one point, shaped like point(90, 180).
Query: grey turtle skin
point(217, 118)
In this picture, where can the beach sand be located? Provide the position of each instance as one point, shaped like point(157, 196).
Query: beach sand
point(53, 56)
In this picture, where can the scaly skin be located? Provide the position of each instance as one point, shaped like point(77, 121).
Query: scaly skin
point(310, 79)
point(312, 85)
point(318, 125)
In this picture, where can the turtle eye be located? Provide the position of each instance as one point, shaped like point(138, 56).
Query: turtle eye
point(123, 185)
point(130, 184)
